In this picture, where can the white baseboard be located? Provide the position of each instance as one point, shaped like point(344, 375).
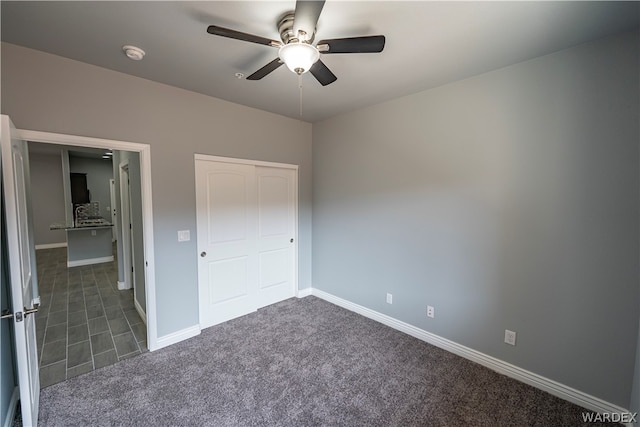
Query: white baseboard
point(122, 286)
point(90, 261)
point(51, 245)
point(304, 292)
point(11, 410)
point(178, 336)
point(140, 311)
point(550, 386)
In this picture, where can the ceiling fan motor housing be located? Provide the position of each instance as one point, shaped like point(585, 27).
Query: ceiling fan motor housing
point(285, 27)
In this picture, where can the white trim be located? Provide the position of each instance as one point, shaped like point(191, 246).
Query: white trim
point(178, 336)
point(140, 311)
point(147, 233)
point(210, 158)
point(122, 286)
point(304, 292)
point(296, 232)
point(147, 206)
point(51, 245)
point(78, 141)
point(550, 386)
point(90, 261)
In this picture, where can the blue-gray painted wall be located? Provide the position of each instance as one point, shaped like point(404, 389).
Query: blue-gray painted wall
point(47, 196)
point(99, 172)
point(506, 201)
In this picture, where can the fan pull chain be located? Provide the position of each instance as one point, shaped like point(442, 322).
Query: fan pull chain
point(300, 90)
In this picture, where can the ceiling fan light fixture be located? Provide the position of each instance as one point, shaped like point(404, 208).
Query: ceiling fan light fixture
point(299, 57)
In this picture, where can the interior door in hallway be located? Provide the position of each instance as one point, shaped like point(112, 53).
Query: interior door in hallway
point(246, 231)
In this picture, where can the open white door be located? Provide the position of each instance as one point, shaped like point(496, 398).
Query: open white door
point(15, 180)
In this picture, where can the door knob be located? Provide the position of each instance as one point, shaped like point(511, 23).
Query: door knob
point(203, 254)
point(20, 314)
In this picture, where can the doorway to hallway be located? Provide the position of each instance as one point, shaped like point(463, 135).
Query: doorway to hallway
point(84, 322)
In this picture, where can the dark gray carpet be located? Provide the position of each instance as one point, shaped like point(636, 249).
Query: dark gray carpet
point(301, 362)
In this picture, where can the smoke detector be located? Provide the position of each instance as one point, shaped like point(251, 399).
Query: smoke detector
point(133, 52)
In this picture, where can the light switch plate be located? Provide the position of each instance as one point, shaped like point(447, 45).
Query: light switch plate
point(184, 236)
point(509, 337)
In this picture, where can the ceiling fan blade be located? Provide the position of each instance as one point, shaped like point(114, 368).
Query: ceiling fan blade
point(271, 66)
point(233, 34)
point(366, 44)
point(306, 17)
point(322, 73)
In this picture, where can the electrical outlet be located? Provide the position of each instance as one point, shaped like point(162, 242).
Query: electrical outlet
point(389, 299)
point(430, 312)
point(509, 337)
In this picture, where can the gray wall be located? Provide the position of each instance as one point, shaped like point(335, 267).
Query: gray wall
point(99, 172)
point(70, 97)
point(47, 196)
point(508, 200)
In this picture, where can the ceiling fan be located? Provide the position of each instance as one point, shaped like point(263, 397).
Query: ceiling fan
point(297, 31)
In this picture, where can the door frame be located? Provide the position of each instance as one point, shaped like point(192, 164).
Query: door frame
point(234, 160)
point(144, 151)
point(114, 218)
point(125, 225)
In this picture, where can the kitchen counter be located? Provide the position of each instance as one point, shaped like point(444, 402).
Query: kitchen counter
point(79, 226)
point(88, 241)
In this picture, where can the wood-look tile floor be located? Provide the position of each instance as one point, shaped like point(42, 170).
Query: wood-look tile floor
point(84, 321)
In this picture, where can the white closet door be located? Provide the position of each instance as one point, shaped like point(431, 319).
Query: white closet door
point(276, 234)
point(226, 212)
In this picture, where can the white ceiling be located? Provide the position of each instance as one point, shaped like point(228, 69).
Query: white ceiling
point(428, 44)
